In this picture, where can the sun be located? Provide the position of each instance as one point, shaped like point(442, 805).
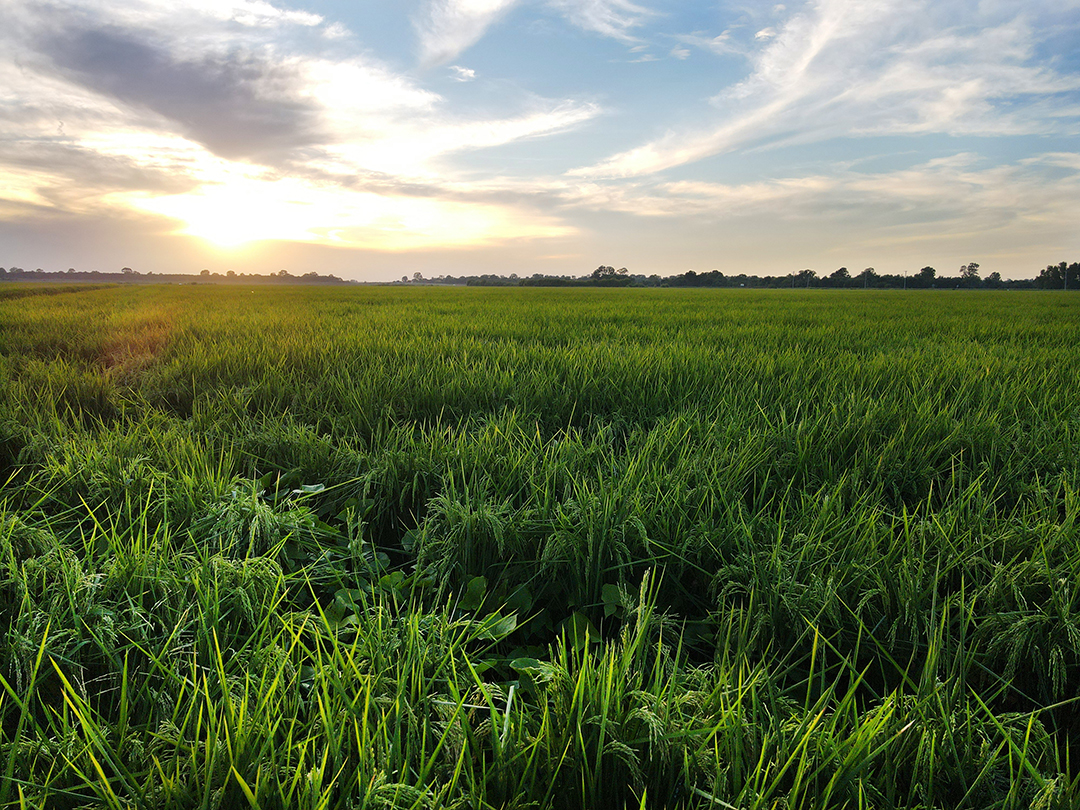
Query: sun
point(237, 213)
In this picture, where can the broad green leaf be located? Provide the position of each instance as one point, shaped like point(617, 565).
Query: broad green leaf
point(520, 601)
point(579, 631)
point(494, 627)
point(539, 671)
point(474, 593)
point(612, 596)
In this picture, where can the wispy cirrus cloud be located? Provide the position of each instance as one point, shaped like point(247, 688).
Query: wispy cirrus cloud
point(722, 44)
point(842, 68)
point(448, 27)
point(609, 18)
point(942, 189)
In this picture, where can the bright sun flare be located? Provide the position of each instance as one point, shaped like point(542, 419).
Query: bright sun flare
point(237, 213)
point(243, 210)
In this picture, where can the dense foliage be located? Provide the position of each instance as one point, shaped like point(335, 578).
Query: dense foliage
point(315, 547)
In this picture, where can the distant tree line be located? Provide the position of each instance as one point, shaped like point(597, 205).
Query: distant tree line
point(1054, 277)
point(1061, 276)
point(126, 275)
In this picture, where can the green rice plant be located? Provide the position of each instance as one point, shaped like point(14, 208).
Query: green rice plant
point(306, 547)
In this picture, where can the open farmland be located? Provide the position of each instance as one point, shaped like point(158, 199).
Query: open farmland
point(418, 548)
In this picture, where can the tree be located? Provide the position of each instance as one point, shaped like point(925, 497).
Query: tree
point(1061, 276)
point(969, 274)
point(607, 276)
point(127, 271)
point(418, 277)
point(925, 277)
point(205, 273)
point(840, 278)
point(994, 280)
point(806, 276)
point(1049, 278)
point(868, 276)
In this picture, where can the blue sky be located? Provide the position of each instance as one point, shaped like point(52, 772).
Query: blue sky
point(376, 139)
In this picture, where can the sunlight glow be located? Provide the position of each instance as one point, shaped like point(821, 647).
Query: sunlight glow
point(233, 214)
point(244, 210)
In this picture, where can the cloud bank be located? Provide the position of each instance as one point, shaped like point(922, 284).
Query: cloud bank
point(216, 118)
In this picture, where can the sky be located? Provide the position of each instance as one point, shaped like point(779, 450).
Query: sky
point(378, 138)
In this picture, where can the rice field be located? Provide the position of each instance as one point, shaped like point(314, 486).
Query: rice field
point(481, 548)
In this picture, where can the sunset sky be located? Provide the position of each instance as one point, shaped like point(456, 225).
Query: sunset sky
point(377, 138)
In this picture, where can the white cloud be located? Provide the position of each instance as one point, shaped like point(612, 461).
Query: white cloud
point(722, 45)
point(765, 34)
point(610, 18)
point(462, 74)
point(410, 144)
point(845, 68)
point(679, 52)
point(336, 31)
point(263, 14)
point(449, 27)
